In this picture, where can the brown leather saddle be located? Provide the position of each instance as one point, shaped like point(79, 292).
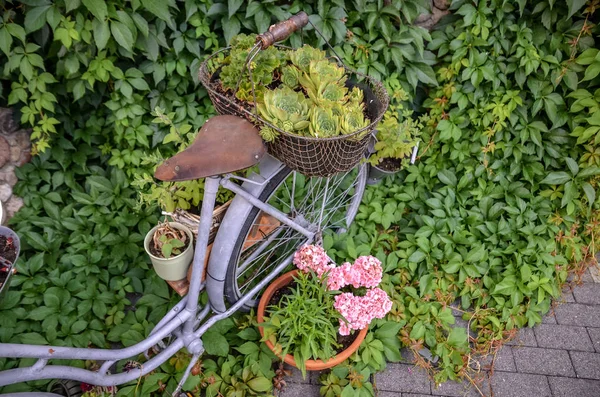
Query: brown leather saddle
point(224, 144)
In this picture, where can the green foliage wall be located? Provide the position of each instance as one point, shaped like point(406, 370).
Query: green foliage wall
point(500, 207)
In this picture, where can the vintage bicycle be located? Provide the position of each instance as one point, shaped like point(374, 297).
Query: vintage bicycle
point(240, 264)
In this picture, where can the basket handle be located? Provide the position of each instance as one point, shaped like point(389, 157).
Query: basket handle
point(282, 30)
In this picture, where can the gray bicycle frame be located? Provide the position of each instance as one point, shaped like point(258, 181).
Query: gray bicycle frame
point(182, 321)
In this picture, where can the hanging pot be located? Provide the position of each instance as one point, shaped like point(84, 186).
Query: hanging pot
point(311, 365)
point(173, 268)
point(7, 267)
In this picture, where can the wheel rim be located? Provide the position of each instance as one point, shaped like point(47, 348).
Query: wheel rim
point(321, 205)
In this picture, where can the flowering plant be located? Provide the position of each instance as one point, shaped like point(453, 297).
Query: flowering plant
point(366, 272)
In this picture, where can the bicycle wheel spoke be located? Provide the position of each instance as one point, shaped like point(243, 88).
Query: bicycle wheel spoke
point(321, 203)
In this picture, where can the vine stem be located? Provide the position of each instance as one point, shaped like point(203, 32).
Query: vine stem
point(475, 385)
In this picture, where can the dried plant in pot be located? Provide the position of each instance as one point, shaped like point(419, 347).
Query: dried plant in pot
point(10, 246)
point(311, 317)
point(170, 247)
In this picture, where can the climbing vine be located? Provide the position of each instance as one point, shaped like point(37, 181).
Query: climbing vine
point(499, 209)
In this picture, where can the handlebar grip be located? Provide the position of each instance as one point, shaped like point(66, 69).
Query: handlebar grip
point(283, 30)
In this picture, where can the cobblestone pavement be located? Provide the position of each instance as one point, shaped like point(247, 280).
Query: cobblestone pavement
point(558, 358)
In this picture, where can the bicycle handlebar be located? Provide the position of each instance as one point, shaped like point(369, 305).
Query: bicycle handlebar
point(282, 30)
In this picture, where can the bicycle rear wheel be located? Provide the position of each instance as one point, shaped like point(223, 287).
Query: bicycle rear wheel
point(324, 204)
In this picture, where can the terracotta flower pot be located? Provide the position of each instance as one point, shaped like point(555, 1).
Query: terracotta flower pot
point(311, 365)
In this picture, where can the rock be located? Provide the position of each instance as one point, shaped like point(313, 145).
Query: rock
point(441, 4)
point(7, 122)
point(22, 139)
point(12, 206)
point(5, 192)
point(4, 151)
point(7, 175)
point(422, 19)
point(15, 154)
point(430, 20)
point(25, 158)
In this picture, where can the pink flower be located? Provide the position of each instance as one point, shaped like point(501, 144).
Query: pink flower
point(312, 257)
point(338, 277)
point(365, 272)
point(368, 272)
point(359, 311)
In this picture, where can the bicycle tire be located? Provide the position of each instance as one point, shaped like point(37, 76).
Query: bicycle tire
point(231, 290)
point(67, 388)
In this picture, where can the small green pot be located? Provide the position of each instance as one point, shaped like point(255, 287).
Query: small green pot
point(175, 268)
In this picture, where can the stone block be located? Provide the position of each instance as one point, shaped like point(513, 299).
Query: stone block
point(576, 314)
point(595, 337)
point(510, 384)
point(563, 337)
point(4, 151)
point(299, 390)
point(441, 4)
point(535, 360)
point(587, 365)
point(549, 318)
point(403, 378)
point(587, 293)
point(525, 337)
point(504, 360)
point(572, 387)
point(5, 192)
point(7, 175)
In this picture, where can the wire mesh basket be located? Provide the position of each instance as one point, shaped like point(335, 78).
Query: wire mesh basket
point(310, 156)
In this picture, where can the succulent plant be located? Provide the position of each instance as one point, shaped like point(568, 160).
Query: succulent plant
point(289, 76)
point(285, 109)
point(356, 96)
point(302, 57)
point(268, 134)
point(321, 75)
point(323, 123)
point(311, 98)
point(352, 121)
point(235, 68)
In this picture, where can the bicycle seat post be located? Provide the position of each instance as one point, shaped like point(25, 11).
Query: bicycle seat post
point(211, 186)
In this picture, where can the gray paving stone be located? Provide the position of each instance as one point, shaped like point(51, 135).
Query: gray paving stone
point(588, 293)
point(415, 395)
point(525, 337)
point(572, 387)
point(403, 378)
point(586, 277)
point(504, 360)
point(408, 357)
point(587, 365)
point(563, 337)
point(534, 360)
point(595, 337)
point(578, 314)
point(296, 376)
point(567, 297)
point(299, 390)
point(389, 394)
point(510, 384)
point(454, 389)
point(549, 318)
